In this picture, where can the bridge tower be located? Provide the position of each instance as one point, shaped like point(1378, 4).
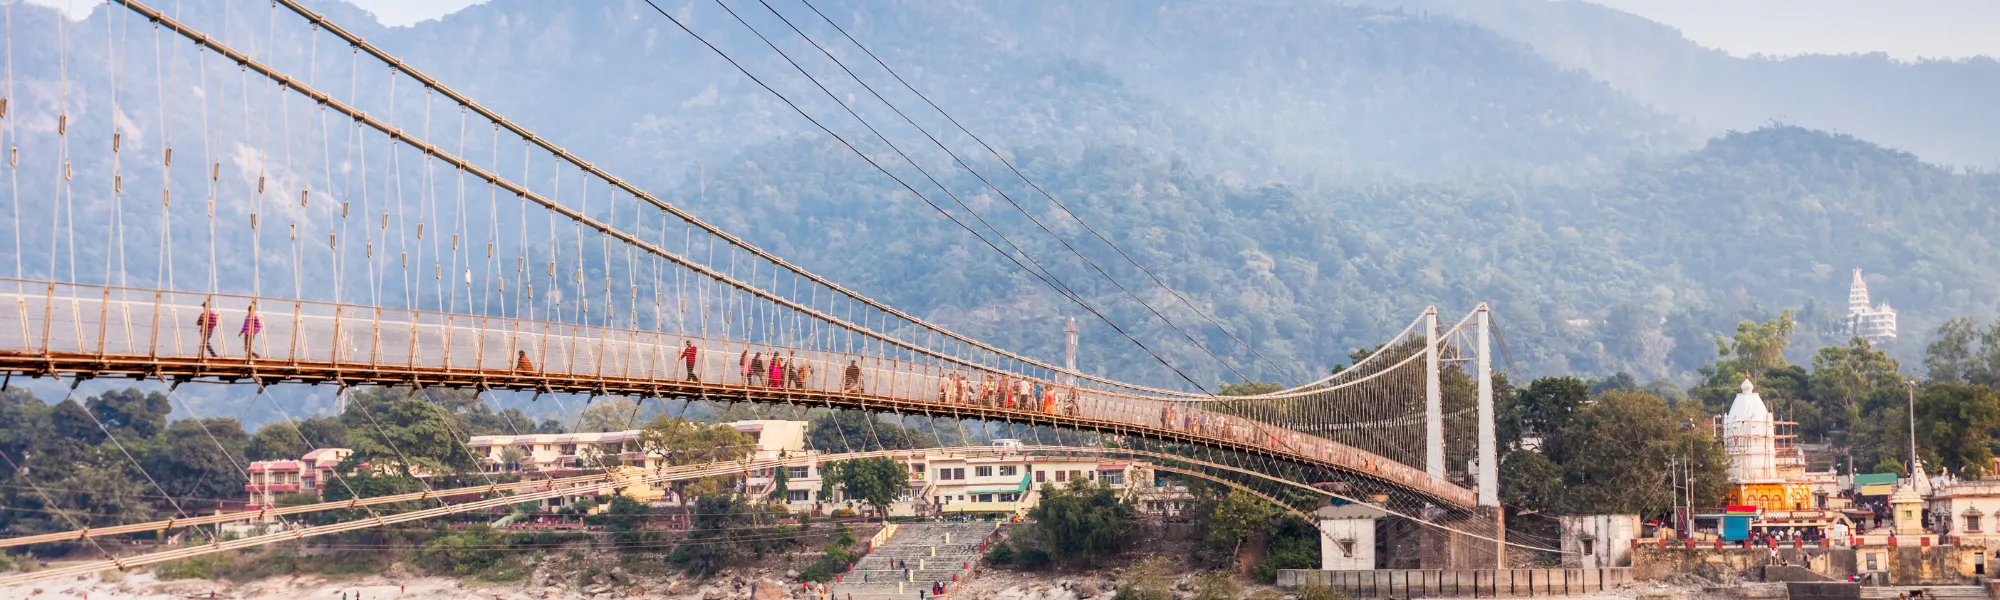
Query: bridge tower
point(1069, 354)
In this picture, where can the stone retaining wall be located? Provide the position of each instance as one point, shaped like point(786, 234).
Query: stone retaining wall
point(1417, 583)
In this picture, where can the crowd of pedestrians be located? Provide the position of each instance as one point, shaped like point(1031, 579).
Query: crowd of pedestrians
point(1008, 391)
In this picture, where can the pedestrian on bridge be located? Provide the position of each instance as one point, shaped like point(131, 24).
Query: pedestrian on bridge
point(521, 362)
point(850, 381)
point(207, 322)
point(756, 370)
point(252, 326)
point(792, 379)
point(777, 378)
point(687, 356)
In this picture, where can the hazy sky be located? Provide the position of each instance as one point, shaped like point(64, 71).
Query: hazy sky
point(1902, 28)
point(1905, 29)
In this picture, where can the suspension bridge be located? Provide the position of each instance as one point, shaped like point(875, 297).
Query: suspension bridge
point(428, 241)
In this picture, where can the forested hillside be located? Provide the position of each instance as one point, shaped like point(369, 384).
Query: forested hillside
point(1935, 108)
point(1637, 273)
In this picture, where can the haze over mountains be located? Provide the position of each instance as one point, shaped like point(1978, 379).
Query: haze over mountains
point(1311, 174)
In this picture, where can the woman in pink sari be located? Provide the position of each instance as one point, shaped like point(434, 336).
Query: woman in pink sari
point(777, 371)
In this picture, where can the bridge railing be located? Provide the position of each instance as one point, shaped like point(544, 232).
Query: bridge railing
point(153, 326)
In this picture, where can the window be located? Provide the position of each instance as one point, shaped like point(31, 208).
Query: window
point(1113, 477)
point(1972, 522)
point(1010, 497)
point(982, 471)
point(958, 473)
point(798, 495)
point(1076, 474)
point(1589, 546)
point(985, 497)
point(795, 472)
point(1062, 476)
point(1007, 471)
point(944, 474)
point(1041, 476)
point(1871, 562)
point(1347, 548)
point(948, 474)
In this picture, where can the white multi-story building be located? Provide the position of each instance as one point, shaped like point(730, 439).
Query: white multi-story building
point(1875, 323)
point(544, 452)
point(998, 481)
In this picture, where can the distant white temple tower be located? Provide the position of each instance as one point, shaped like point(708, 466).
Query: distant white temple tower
point(1877, 324)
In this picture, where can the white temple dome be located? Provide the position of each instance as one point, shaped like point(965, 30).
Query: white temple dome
point(1749, 436)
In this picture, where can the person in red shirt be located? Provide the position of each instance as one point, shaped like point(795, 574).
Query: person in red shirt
point(687, 356)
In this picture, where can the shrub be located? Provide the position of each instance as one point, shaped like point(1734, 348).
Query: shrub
point(472, 551)
point(1148, 580)
point(1000, 555)
point(200, 567)
point(1320, 591)
point(843, 513)
point(1032, 559)
point(1217, 585)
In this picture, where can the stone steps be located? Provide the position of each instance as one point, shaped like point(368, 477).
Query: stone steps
point(922, 547)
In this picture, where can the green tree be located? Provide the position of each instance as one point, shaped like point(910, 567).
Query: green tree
point(1237, 519)
point(1962, 353)
point(781, 482)
point(1530, 481)
point(1618, 449)
point(1845, 382)
point(24, 421)
point(1083, 522)
point(877, 481)
point(131, 414)
point(406, 431)
point(680, 442)
point(1293, 544)
point(855, 431)
point(1547, 405)
point(199, 459)
point(608, 416)
point(281, 440)
point(725, 531)
point(1955, 425)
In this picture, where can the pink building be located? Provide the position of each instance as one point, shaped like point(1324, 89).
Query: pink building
point(270, 479)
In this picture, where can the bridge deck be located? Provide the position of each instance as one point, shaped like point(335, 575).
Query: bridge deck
point(95, 331)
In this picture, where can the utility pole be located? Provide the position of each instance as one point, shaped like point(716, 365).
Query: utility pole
point(1912, 383)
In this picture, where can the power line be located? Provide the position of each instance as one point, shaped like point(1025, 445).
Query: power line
point(871, 162)
point(1052, 199)
point(989, 184)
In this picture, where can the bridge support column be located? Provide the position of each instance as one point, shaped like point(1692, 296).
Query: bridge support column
point(1433, 399)
point(1489, 460)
